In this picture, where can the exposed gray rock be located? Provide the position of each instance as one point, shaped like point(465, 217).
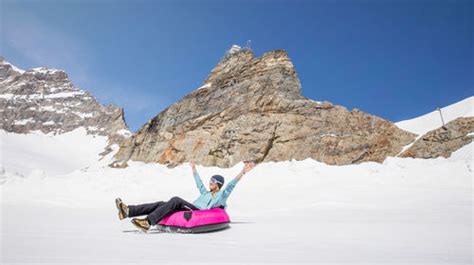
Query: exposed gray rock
point(45, 99)
point(252, 109)
point(444, 140)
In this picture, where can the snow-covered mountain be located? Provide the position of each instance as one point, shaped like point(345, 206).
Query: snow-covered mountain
point(45, 100)
point(50, 126)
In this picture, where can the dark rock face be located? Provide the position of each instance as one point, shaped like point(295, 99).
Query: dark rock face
point(252, 109)
point(444, 140)
point(45, 99)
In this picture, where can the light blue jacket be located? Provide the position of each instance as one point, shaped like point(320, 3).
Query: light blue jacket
point(206, 200)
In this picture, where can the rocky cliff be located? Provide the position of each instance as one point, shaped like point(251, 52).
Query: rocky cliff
point(251, 108)
point(46, 100)
point(444, 140)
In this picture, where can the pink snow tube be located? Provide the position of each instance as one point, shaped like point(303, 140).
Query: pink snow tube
point(197, 221)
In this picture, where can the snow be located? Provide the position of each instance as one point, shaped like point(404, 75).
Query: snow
point(403, 211)
point(53, 154)
point(83, 115)
point(49, 123)
point(124, 132)
point(204, 86)
point(44, 70)
point(432, 120)
point(20, 71)
point(92, 128)
point(49, 108)
point(6, 96)
point(65, 94)
point(23, 121)
point(464, 153)
point(10, 96)
point(315, 101)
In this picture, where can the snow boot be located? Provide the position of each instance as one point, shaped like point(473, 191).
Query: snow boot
point(122, 209)
point(143, 224)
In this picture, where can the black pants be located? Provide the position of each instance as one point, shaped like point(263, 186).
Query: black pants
point(159, 210)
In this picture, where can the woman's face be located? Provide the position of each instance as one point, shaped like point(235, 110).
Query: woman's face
point(213, 186)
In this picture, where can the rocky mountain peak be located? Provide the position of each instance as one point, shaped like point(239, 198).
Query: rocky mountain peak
point(45, 99)
point(8, 70)
point(48, 73)
point(240, 64)
point(251, 108)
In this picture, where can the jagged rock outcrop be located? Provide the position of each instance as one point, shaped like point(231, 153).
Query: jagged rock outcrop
point(252, 109)
point(444, 140)
point(45, 99)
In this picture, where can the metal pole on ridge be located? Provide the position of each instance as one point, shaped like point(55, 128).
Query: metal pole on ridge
point(441, 115)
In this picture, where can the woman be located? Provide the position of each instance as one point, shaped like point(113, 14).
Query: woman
point(215, 197)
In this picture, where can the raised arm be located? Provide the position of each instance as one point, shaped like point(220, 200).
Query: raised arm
point(197, 179)
point(231, 185)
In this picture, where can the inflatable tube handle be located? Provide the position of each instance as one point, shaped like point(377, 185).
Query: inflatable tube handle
point(188, 214)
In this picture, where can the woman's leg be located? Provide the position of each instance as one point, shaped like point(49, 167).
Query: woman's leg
point(175, 204)
point(143, 209)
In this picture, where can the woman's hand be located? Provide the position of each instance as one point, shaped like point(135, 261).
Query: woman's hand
point(248, 166)
point(193, 165)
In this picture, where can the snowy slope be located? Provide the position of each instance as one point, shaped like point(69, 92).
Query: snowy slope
point(47, 153)
point(423, 124)
point(403, 211)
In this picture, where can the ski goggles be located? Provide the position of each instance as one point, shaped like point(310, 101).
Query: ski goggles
point(213, 181)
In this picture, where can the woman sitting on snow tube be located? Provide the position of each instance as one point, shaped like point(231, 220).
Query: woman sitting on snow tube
point(204, 214)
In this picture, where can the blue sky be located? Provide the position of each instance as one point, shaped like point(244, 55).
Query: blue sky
point(394, 59)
